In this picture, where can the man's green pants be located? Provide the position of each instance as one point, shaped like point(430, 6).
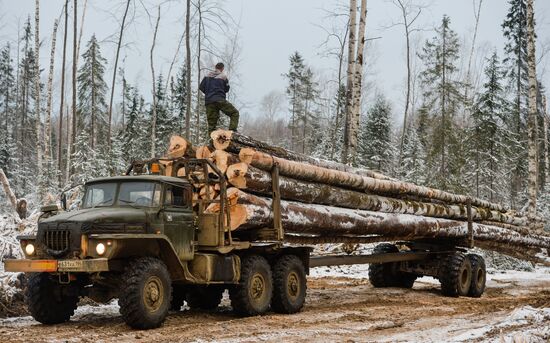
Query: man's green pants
point(213, 114)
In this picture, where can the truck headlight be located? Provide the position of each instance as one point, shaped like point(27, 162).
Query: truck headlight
point(29, 249)
point(100, 248)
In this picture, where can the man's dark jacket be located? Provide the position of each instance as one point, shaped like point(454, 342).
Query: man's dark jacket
point(214, 86)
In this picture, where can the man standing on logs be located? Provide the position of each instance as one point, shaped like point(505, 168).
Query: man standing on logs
point(215, 87)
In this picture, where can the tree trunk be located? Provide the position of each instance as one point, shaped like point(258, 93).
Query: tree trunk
point(48, 131)
point(532, 117)
point(154, 119)
point(358, 83)
point(75, 64)
point(114, 73)
point(253, 212)
point(37, 94)
point(62, 97)
point(234, 142)
point(188, 70)
point(348, 133)
point(357, 182)
point(546, 143)
point(7, 189)
point(258, 181)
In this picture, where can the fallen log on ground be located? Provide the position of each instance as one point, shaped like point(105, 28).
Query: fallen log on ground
point(357, 182)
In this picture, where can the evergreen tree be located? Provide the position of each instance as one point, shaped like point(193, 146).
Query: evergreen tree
point(179, 93)
point(441, 92)
point(487, 135)
point(294, 92)
point(92, 91)
point(336, 141)
point(375, 148)
point(135, 131)
point(165, 125)
point(515, 32)
point(309, 118)
point(8, 149)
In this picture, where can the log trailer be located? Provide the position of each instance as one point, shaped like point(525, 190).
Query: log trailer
point(148, 240)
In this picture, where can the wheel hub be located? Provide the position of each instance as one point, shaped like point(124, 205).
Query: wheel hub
point(153, 295)
point(293, 285)
point(257, 286)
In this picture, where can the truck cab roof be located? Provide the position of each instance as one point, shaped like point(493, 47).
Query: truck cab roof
point(161, 178)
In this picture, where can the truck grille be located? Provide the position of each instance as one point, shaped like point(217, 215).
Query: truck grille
point(58, 240)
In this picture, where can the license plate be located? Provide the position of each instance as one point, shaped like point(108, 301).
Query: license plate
point(70, 264)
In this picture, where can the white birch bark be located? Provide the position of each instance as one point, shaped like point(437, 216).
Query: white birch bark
point(532, 116)
point(350, 80)
point(358, 80)
point(154, 119)
point(48, 130)
point(37, 87)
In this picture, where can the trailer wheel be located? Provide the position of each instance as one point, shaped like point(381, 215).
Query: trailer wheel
point(479, 276)
point(455, 275)
point(289, 285)
point(252, 296)
point(204, 297)
point(387, 274)
point(145, 293)
point(49, 302)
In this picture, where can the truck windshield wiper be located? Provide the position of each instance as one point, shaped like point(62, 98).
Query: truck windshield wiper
point(102, 202)
point(131, 203)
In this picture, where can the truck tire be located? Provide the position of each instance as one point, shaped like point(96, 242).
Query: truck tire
point(479, 276)
point(387, 274)
point(455, 275)
point(49, 302)
point(204, 297)
point(145, 294)
point(252, 296)
point(178, 297)
point(289, 285)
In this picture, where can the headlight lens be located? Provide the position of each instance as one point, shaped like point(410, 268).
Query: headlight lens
point(29, 249)
point(100, 248)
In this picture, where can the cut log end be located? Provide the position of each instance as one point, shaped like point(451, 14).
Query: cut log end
point(203, 152)
point(178, 147)
point(238, 181)
point(235, 174)
point(220, 158)
point(221, 139)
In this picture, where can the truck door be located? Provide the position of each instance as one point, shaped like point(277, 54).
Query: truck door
point(178, 219)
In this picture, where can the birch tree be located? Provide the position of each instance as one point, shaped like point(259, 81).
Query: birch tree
point(532, 135)
point(37, 90)
point(154, 92)
point(188, 69)
point(348, 129)
point(62, 95)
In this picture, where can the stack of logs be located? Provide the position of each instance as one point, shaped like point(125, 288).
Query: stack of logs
point(329, 202)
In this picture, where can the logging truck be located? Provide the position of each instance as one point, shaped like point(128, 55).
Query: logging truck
point(147, 239)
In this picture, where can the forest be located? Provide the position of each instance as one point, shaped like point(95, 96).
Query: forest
point(478, 129)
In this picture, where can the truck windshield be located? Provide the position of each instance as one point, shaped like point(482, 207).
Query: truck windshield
point(123, 194)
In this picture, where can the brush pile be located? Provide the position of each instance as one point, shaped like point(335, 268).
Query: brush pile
point(329, 202)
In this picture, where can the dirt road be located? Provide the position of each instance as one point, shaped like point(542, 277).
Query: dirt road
point(338, 309)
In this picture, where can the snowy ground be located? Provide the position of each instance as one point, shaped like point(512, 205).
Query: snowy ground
point(341, 306)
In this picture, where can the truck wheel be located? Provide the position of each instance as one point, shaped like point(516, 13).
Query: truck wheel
point(48, 301)
point(252, 295)
point(145, 293)
point(479, 276)
point(387, 274)
point(178, 297)
point(204, 297)
point(455, 275)
point(289, 285)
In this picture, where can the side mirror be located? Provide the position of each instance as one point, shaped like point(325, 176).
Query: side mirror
point(64, 201)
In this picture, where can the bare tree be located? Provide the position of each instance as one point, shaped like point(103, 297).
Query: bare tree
point(410, 12)
point(48, 129)
point(62, 93)
point(546, 152)
point(188, 68)
point(532, 116)
point(73, 114)
point(348, 133)
point(468, 87)
point(110, 115)
point(154, 119)
point(37, 89)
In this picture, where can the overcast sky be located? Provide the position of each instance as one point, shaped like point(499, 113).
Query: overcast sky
point(269, 31)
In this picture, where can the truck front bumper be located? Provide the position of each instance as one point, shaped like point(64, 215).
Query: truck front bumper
point(62, 266)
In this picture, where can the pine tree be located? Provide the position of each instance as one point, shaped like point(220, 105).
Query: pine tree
point(441, 91)
point(309, 118)
point(515, 32)
point(487, 135)
point(7, 112)
point(376, 149)
point(294, 92)
point(338, 121)
point(178, 97)
point(135, 131)
point(92, 91)
point(165, 124)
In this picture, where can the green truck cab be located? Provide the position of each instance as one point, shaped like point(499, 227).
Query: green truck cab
point(145, 239)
